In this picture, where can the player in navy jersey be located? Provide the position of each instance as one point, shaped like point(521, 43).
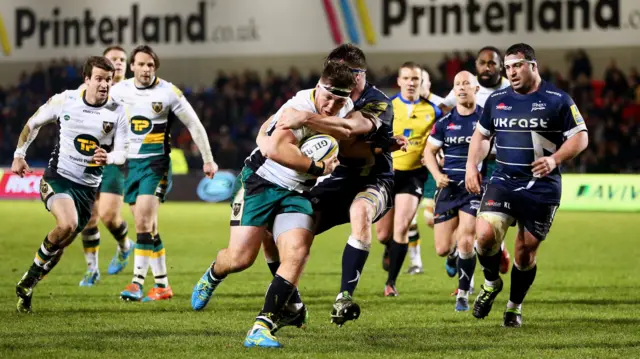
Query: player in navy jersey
point(455, 209)
point(536, 128)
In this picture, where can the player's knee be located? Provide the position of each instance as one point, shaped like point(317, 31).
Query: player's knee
point(383, 235)
point(240, 260)
point(66, 228)
point(443, 249)
point(144, 224)
point(465, 243)
point(361, 212)
point(484, 233)
point(296, 255)
point(110, 218)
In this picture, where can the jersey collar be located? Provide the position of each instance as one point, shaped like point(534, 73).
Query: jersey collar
point(407, 101)
point(84, 99)
point(153, 83)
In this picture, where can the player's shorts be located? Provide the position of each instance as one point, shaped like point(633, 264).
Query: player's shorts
point(83, 196)
point(430, 188)
point(535, 217)
point(256, 201)
point(147, 176)
point(451, 199)
point(410, 182)
point(112, 180)
point(333, 195)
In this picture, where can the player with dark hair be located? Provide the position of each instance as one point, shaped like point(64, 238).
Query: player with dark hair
point(360, 190)
point(154, 105)
point(536, 127)
point(92, 132)
point(273, 194)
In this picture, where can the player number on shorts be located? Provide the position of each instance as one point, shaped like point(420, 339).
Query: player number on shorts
point(539, 144)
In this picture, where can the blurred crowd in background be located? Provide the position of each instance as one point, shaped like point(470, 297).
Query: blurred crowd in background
point(234, 105)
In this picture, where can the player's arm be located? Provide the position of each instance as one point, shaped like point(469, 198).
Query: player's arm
point(355, 123)
point(433, 146)
point(478, 150)
point(448, 104)
point(185, 113)
point(282, 147)
point(261, 139)
point(47, 113)
point(120, 141)
point(577, 140)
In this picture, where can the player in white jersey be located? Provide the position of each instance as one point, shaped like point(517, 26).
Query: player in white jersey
point(108, 203)
point(273, 193)
point(92, 132)
point(153, 106)
point(489, 68)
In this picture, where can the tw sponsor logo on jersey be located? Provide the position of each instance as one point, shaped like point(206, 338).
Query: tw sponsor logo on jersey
point(453, 127)
point(524, 123)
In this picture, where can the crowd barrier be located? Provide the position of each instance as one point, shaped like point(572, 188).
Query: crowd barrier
point(580, 192)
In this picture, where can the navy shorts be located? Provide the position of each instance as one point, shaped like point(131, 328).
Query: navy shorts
point(453, 198)
point(535, 217)
point(333, 195)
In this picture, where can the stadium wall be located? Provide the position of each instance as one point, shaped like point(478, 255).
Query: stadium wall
point(198, 37)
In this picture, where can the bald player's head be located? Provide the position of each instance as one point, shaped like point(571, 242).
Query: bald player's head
point(465, 87)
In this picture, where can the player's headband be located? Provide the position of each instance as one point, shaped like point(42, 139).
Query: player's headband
point(340, 92)
point(517, 61)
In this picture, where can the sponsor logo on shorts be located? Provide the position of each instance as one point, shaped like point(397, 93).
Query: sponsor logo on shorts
point(475, 204)
point(492, 203)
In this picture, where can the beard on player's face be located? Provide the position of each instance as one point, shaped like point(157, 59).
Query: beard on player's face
point(489, 79)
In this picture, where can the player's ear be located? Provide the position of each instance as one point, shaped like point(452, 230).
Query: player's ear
point(477, 89)
point(398, 81)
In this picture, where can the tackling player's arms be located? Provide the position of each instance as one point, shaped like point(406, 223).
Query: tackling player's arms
point(356, 123)
point(282, 147)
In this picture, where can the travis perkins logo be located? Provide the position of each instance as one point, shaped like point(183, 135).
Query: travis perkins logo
point(59, 29)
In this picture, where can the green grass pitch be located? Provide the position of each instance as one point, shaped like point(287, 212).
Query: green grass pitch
point(585, 302)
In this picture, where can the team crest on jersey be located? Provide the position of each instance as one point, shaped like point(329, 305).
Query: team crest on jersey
point(538, 106)
point(157, 107)
point(107, 127)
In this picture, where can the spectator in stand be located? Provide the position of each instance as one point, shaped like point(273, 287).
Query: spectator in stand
point(581, 65)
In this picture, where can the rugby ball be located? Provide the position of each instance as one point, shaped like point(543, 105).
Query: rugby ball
point(319, 147)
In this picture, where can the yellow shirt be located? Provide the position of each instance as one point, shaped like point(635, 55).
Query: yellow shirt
point(412, 120)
